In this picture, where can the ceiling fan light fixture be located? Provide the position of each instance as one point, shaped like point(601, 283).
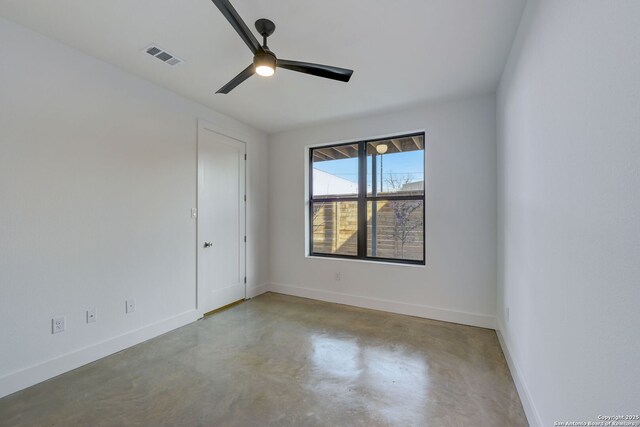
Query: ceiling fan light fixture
point(265, 71)
point(265, 64)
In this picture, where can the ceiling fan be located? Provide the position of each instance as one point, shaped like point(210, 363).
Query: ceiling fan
point(265, 61)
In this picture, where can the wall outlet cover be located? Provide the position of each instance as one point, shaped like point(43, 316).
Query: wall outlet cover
point(92, 315)
point(130, 305)
point(58, 324)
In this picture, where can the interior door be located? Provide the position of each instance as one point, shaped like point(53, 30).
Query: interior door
point(221, 220)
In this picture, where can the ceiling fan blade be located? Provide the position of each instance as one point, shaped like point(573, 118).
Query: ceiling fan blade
point(238, 24)
point(319, 70)
point(244, 75)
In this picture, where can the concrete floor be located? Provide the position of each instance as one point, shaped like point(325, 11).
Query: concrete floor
point(283, 361)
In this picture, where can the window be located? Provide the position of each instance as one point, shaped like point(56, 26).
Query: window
point(367, 200)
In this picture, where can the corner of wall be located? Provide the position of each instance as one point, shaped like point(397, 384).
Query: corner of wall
point(533, 417)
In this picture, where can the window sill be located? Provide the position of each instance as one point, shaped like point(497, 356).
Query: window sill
point(366, 261)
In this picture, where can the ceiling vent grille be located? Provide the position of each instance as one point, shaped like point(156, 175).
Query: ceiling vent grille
point(163, 55)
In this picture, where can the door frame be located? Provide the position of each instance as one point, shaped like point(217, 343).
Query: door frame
point(206, 126)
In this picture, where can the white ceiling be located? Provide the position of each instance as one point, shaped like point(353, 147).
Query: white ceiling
point(404, 52)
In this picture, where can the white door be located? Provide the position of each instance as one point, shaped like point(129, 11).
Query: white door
point(221, 220)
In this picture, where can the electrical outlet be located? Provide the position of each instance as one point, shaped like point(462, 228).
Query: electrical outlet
point(506, 314)
point(338, 276)
point(92, 315)
point(131, 306)
point(57, 325)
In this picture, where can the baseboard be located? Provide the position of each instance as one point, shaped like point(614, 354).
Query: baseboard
point(444, 314)
point(27, 377)
point(254, 291)
point(533, 417)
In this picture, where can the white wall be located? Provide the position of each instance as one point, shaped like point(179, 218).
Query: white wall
point(569, 209)
point(459, 280)
point(97, 179)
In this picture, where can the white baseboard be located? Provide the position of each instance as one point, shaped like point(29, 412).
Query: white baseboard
point(444, 314)
point(27, 377)
point(533, 417)
point(254, 291)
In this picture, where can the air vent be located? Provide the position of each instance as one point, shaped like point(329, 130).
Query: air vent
point(163, 55)
point(153, 51)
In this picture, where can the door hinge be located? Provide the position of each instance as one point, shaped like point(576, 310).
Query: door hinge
point(245, 197)
point(245, 279)
point(245, 157)
point(245, 239)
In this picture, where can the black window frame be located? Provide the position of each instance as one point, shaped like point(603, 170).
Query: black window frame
point(363, 198)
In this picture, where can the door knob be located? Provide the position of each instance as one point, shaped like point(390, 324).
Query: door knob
point(207, 244)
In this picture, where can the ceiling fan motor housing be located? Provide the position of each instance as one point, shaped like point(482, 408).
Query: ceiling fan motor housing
point(264, 59)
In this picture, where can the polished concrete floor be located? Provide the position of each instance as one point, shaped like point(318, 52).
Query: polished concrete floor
point(283, 361)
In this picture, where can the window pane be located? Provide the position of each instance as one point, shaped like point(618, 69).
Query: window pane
point(396, 166)
point(335, 228)
point(395, 229)
point(335, 171)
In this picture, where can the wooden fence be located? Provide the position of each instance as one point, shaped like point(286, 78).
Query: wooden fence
point(399, 229)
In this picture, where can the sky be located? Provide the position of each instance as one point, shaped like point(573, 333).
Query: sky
point(405, 164)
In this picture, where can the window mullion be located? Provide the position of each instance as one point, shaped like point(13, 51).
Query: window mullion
point(362, 199)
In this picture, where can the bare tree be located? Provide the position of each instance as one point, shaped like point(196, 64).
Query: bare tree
point(403, 210)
